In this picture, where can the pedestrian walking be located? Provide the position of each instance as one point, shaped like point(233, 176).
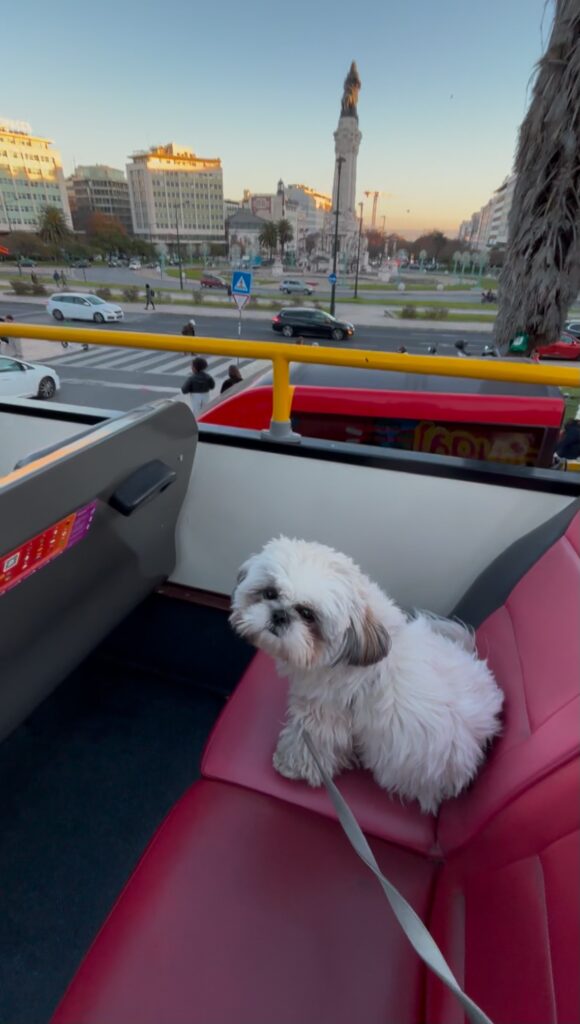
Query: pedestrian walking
point(56, 278)
point(198, 385)
point(149, 297)
point(234, 377)
point(34, 277)
point(13, 345)
point(569, 443)
point(189, 328)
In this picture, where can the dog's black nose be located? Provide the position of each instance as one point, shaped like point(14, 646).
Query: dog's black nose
point(280, 618)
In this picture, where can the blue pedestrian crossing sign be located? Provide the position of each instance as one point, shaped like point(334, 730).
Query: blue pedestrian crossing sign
point(241, 282)
point(332, 278)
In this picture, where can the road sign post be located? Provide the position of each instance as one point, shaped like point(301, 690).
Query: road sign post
point(241, 292)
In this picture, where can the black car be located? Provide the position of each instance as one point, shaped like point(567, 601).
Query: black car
point(573, 327)
point(312, 323)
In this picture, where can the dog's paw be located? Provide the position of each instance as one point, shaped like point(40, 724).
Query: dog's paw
point(296, 764)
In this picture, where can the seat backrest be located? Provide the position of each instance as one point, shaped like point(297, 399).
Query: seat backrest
point(506, 910)
point(530, 604)
point(86, 531)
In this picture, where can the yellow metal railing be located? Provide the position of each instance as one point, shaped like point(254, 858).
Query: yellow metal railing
point(282, 354)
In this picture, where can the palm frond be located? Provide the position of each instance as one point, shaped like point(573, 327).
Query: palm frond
point(541, 273)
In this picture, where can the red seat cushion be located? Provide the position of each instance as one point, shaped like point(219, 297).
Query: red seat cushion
point(251, 910)
point(240, 750)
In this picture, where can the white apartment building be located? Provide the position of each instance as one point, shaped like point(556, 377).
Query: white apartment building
point(175, 193)
point(315, 204)
point(488, 227)
point(31, 178)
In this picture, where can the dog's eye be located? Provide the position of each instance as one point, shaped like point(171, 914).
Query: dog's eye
point(305, 613)
point(270, 594)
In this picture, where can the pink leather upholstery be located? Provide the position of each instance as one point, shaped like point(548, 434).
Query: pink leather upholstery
point(249, 910)
point(533, 645)
point(507, 911)
point(240, 750)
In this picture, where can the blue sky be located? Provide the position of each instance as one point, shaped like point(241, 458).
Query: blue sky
point(445, 84)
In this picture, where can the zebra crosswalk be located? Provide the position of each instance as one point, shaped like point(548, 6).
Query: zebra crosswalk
point(139, 361)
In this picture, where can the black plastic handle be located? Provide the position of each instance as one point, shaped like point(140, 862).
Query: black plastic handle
point(147, 481)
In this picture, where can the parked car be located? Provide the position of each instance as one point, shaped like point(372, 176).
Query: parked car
point(566, 347)
point(26, 380)
point(214, 281)
point(81, 264)
point(26, 263)
point(135, 265)
point(292, 286)
point(312, 323)
point(82, 306)
point(572, 327)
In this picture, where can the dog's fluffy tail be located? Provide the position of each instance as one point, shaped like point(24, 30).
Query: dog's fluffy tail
point(452, 629)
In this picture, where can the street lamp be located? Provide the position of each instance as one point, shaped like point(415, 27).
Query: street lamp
point(358, 251)
point(339, 164)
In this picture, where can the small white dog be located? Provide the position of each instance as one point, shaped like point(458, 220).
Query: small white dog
point(407, 698)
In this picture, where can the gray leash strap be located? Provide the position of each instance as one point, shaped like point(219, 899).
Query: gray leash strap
point(418, 935)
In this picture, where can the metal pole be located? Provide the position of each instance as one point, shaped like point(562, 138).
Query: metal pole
point(339, 164)
point(358, 251)
point(178, 251)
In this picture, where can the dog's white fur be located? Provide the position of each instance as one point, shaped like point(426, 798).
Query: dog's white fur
point(407, 698)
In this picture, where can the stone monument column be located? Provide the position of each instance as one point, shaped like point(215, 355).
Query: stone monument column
point(347, 139)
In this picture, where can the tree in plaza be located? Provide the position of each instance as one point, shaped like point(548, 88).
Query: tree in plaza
point(433, 243)
point(312, 241)
point(23, 243)
point(53, 228)
point(376, 241)
point(541, 274)
point(106, 233)
point(285, 234)
point(268, 237)
point(456, 260)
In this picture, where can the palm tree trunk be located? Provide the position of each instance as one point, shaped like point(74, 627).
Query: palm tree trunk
point(541, 273)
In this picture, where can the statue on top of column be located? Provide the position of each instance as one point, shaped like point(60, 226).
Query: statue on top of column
point(352, 84)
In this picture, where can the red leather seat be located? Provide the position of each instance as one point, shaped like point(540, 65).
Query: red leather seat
point(250, 907)
point(249, 910)
point(240, 750)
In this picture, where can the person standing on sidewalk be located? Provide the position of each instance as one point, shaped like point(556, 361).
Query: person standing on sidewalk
point(13, 345)
point(198, 385)
point(149, 297)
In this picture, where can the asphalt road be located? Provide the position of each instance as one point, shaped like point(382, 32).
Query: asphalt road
point(120, 379)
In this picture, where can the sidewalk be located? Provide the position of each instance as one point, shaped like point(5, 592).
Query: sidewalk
point(360, 316)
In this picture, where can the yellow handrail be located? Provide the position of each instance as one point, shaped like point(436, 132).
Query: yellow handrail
point(282, 354)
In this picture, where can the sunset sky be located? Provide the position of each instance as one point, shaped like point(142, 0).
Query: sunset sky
point(445, 84)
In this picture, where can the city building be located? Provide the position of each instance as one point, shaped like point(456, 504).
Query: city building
point(31, 178)
point(99, 189)
point(488, 227)
point(278, 205)
point(176, 194)
point(315, 204)
point(243, 232)
point(231, 206)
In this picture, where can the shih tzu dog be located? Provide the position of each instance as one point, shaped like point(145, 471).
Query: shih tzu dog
point(405, 697)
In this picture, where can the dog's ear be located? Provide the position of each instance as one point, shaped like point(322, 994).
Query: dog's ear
point(366, 642)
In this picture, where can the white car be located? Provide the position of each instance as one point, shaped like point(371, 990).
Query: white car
point(135, 265)
point(26, 380)
point(291, 285)
point(82, 306)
